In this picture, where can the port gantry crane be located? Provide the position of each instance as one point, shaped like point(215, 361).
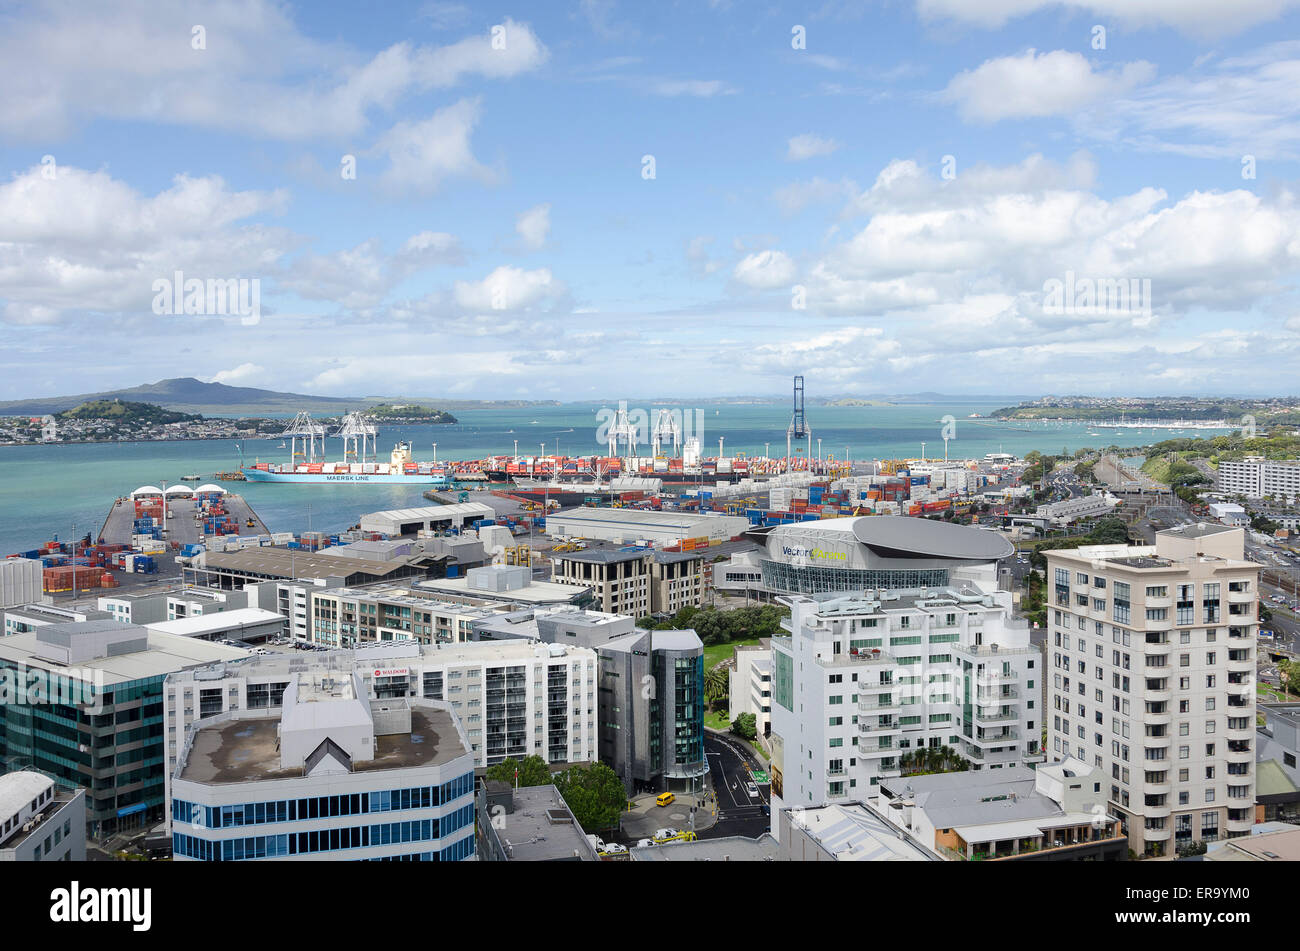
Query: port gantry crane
point(623, 430)
point(667, 427)
point(303, 428)
point(798, 428)
point(356, 430)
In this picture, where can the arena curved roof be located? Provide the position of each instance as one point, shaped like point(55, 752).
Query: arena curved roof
point(903, 537)
point(146, 490)
point(900, 534)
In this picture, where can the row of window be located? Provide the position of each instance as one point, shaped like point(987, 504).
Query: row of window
point(333, 840)
point(321, 807)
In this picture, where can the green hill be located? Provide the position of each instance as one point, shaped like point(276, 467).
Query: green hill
point(127, 412)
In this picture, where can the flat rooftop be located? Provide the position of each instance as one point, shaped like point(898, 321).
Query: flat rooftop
point(535, 592)
point(731, 848)
point(286, 563)
point(248, 750)
point(167, 654)
point(234, 620)
point(854, 833)
point(541, 829)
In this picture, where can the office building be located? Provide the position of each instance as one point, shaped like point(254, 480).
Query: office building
point(106, 734)
point(619, 580)
point(352, 617)
point(39, 820)
point(676, 581)
point(22, 618)
point(513, 698)
point(651, 690)
point(1152, 666)
point(1056, 812)
point(333, 775)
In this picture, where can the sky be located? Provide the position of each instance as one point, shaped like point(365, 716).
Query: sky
point(586, 199)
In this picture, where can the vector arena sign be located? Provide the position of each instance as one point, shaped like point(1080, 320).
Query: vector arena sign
point(816, 553)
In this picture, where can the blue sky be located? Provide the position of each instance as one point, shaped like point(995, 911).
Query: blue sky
point(881, 210)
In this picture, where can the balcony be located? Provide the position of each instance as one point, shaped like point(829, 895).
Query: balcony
point(878, 729)
point(1009, 738)
point(1241, 825)
point(868, 704)
point(998, 715)
point(995, 696)
point(868, 657)
point(1238, 755)
point(1158, 719)
point(1157, 789)
point(1158, 695)
point(876, 749)
point(1241, 597)
point(986, 651)
point(1156, 835)
point(1240, 666)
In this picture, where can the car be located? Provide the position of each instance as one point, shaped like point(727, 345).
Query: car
point(645, 843)
point(666, 833)
point(615, 848)
point(752, 790)
point(664, 799)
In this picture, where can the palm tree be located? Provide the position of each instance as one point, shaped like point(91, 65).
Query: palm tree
point(716, 684)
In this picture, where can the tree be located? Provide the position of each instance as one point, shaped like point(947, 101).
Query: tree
point(595, 795)
point(745, 726)
point(717, 684)
point(533, 771)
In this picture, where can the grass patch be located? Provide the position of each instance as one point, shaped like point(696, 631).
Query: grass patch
point(715, 654)
point(717, 720)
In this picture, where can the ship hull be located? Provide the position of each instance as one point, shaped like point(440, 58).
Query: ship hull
point(345, 478)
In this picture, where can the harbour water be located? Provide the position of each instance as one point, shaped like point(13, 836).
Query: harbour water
point(66, 490)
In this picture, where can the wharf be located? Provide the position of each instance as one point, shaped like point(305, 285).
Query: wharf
point(181, 526)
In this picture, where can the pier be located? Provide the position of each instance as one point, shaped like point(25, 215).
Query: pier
point(181, 527)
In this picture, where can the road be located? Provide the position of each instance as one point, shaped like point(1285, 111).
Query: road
point(738, 812)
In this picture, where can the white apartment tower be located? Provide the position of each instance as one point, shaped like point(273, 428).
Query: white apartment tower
point(1151, 657)
point(866, 678)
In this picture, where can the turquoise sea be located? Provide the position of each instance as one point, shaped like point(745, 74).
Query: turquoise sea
point(66, 490)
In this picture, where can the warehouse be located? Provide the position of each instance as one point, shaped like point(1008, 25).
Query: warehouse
point(398, 522)
point(632, 526)
point(251, 625)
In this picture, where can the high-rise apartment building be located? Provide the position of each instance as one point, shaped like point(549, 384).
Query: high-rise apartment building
point(1151, 654)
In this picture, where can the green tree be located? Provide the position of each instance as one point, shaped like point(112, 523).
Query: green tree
point(533, 771)
point(717, 684)
point(595, 794)
point(745, 726)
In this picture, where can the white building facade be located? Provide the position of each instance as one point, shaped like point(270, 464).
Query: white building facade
point(1152, 679)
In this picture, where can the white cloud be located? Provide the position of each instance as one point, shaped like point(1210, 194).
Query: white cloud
point(765, 270)
point(702, 88)
point(242, 375)
point(71, 63)
point(1035, 85)
point(797, 196)
point(423, 154)
point(507, 289)
point(808, 146)
point(85, 242)
point(1203, 17)
point(534, 225)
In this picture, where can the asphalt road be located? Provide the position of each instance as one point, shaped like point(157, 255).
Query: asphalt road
point(738, 812)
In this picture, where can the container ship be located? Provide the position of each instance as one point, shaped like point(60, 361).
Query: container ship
point(400, 470)
point(359, 464)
